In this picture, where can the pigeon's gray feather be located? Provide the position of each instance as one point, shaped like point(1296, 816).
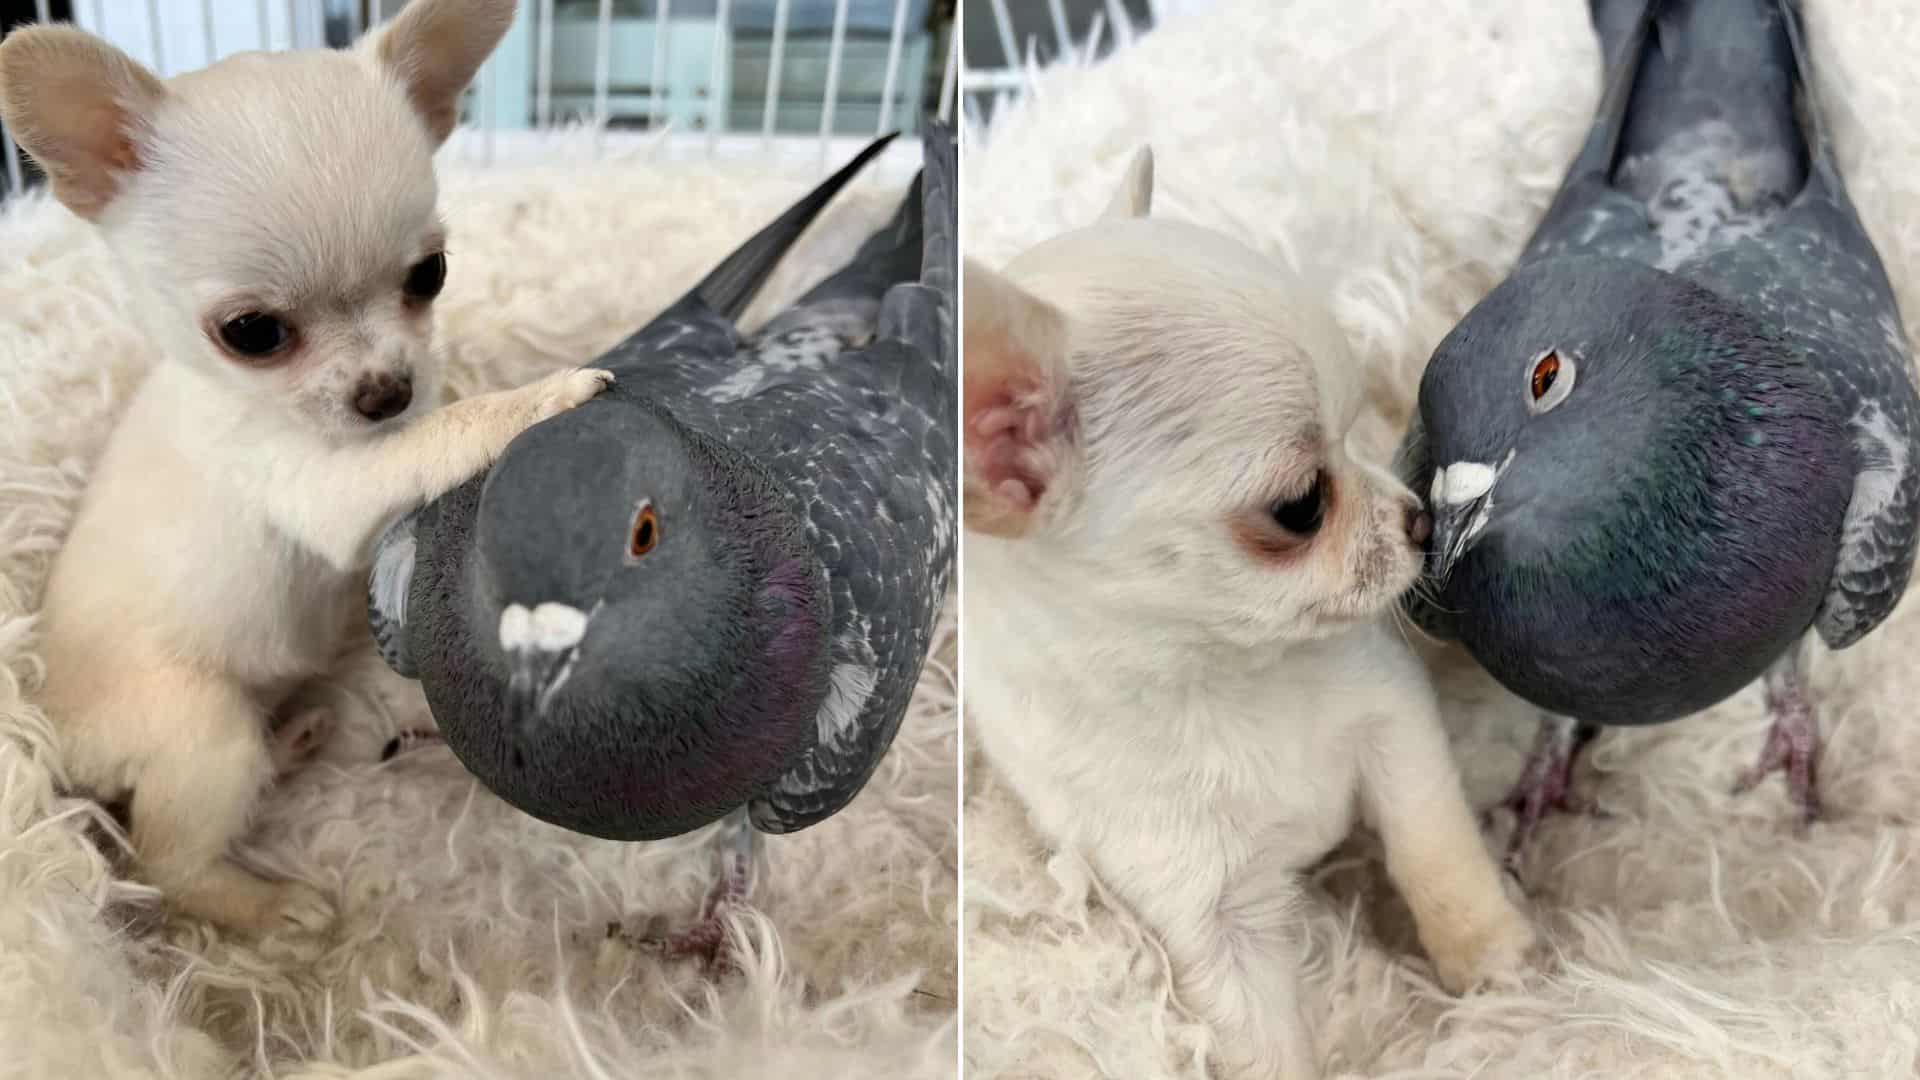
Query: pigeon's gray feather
point(1588, 213)
point(702, 322)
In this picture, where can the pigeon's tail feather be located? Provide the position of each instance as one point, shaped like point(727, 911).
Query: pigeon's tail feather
point(889, 257)
point(732, 285)
point(920, 310)
point(1624, 28)
point(1617, 23)
point(1714, 94)
point(940, 209)
point(1826, 171)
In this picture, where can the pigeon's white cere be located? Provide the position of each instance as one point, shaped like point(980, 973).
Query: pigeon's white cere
point(549, 627)
point(516, 628)
point(1462, 482)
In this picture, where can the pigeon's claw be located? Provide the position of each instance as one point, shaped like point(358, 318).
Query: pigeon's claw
point(1793, 743)
point(1545, 785)
point(736, 852)
point(705, 939)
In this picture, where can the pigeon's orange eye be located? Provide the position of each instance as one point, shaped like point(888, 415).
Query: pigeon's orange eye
point(1545, 372)
point(645, 531)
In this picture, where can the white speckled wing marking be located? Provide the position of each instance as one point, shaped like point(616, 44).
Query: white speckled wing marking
point(849, 688)
point(1876, 538)
point(1703, 190)
point(387, 588)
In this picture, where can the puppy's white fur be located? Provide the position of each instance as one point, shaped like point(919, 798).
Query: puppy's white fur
point(219, 550)
point(1196, 698)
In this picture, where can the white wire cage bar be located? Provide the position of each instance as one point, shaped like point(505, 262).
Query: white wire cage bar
point(805, 81)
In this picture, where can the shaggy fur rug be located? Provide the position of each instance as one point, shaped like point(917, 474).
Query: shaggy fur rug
point(473, 941)
point(1400, 151)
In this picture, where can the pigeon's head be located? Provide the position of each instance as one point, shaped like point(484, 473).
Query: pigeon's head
point(1600, 432)
point(1577, 382)
point(651, 600)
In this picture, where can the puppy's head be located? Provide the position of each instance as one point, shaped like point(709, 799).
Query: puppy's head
point(1158, 416)
point(275, 212)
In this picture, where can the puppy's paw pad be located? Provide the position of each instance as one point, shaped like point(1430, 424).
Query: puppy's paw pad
point(302, 909)
point(299, 737)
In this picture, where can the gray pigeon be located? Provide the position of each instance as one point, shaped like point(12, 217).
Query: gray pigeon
point(707, 593)
point(1678, 439)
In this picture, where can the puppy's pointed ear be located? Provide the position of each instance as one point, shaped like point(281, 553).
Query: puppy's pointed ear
point(1014, 401)
point(1135, 196)
point(77, 104)
point(435, 47)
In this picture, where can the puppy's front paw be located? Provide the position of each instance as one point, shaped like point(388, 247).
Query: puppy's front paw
point(1499, 948)
point(564, 390)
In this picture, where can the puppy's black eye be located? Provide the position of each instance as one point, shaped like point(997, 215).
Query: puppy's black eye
point(427, 277)
point(256, 334)
point(1301, 516)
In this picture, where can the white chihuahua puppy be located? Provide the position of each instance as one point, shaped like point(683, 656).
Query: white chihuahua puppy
point(1177, 621)
point(275, 220)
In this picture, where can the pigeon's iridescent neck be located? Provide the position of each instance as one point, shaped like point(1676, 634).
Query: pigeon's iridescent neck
point(799, 637)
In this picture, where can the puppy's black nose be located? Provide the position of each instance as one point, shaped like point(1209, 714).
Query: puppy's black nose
point(1419, 524)
point(381, 396)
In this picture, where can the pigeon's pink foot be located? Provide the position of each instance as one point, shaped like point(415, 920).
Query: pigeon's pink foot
point(1545, 785)
point(1793, 743)
point(707, 937)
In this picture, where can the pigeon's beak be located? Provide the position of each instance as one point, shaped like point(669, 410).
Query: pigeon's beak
point(1453, 534)
point(541, 645)
point(1461, 501)
point(534, 675)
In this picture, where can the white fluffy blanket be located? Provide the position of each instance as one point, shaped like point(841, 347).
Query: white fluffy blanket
point(473, 941)
point(1405, 148)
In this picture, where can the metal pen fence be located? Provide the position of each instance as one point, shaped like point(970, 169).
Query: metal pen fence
point(753, 80)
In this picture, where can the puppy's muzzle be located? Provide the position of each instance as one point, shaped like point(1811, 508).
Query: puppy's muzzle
point(380, 397)
point(1419, 525)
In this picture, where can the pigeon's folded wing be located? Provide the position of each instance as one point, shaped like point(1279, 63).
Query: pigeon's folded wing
point(1877, 539)
point(387, 587)
point(888, 569)
point(857, 725)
